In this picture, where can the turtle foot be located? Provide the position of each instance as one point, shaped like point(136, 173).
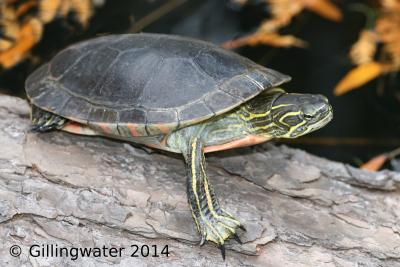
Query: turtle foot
point(218, 227)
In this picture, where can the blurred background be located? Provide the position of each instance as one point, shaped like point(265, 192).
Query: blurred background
point(347, 50)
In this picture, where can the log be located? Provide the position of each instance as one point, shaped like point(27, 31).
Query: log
point(75, 191)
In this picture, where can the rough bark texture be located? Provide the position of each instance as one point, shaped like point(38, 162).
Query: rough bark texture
point(76, 191)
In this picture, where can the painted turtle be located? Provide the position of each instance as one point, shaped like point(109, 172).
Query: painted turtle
point(176, 94)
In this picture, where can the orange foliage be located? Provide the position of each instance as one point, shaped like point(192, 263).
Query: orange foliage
point(387, 32)
point(25, 7)
point(363, 53)
point(272, 39)
point(393, 5)
point(359, 76)
point(324, 8)
point(11, 29)
point(29, 34)
point(19, 37)
point(48, 10)
point(364, 49)
point(375, 163)
point(283, 11)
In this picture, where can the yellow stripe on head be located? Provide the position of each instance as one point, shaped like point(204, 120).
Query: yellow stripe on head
point(288, 114)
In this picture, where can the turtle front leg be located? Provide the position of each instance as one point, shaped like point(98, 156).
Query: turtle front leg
point(44, 121)
point(213, 223)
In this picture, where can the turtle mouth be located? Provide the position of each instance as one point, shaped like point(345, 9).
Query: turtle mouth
point(314, 124)
point(322, 121)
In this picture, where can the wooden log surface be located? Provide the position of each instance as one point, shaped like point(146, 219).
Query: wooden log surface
point(75, 191)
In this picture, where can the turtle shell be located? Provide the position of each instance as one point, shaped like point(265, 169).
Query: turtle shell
point(146, 83)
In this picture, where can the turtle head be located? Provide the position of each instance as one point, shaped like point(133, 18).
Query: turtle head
point(285, 115)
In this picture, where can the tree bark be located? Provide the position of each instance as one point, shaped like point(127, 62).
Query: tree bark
point(76, 191)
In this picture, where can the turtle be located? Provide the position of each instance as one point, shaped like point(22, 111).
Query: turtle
point(176, 94)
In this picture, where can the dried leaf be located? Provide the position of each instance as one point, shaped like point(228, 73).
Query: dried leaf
point(325, 9)
point(364, 49)
point(274, 24)
point(272, 39)
point(388, 30)
point(359, 76)
point(65, 7)
point(393, 5)
point(9, 28)
point(19, 22)
point(25, 7)
point(375, 163)
point(281, 8)
point(282, 12)
point(48, 10)
point(387, 27)
point(30, 34)
point(83, 10)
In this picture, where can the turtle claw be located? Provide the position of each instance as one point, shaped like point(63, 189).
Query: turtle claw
point(202, 241)
point(243, 228)
point(236, 237)
point(34, 128)
point(222, 249)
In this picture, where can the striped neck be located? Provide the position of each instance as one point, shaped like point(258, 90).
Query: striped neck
point(259, 113)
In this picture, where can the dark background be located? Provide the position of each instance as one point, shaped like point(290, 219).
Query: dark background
point(366, 120)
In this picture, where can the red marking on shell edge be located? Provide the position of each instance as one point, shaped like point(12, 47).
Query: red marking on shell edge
point(246, 141)
point(73, 127)
point(164, 128)
point(132, 129)
point(104, 127)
